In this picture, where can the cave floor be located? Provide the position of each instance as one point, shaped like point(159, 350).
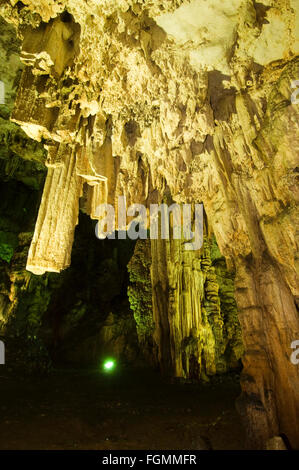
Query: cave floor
point(128, 409)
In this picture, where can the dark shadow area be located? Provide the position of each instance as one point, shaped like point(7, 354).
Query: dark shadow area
point(126, 409)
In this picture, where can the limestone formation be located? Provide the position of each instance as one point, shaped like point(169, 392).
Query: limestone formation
point(58, 216)
point(186, 315)
point(194, 98)
point(140, 298)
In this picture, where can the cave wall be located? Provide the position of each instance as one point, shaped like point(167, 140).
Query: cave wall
point(78, 317)
point(195, 96)
point(140, 295)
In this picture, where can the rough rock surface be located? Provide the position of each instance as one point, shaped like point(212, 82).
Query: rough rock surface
point(185, 309)
point(140, 298)
point(192, 96)
point(197, 333)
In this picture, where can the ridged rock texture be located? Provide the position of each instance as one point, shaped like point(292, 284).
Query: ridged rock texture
point(196, 337)
point(194, 97)
point(185, 310)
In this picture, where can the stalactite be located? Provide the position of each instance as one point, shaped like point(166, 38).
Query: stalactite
point(190, 327)
point(58, 216)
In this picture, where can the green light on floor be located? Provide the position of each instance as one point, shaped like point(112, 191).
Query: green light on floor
point(109, 365)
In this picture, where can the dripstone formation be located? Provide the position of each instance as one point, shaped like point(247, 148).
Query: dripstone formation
point(191, 98)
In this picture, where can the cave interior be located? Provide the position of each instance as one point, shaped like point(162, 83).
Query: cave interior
point(116, 341)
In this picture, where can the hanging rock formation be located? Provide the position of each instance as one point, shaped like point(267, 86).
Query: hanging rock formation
point(195, 336)
point(184, 307)
point(72, 316)
point(132, 97)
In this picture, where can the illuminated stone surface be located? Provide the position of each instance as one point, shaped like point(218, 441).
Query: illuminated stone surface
point(194, 99)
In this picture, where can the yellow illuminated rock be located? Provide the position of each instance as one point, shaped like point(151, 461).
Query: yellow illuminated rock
point(194, 97)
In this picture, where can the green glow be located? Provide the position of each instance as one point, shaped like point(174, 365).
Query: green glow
point(109, 365)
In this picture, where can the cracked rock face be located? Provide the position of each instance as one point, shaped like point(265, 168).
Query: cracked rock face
point(136, 98)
